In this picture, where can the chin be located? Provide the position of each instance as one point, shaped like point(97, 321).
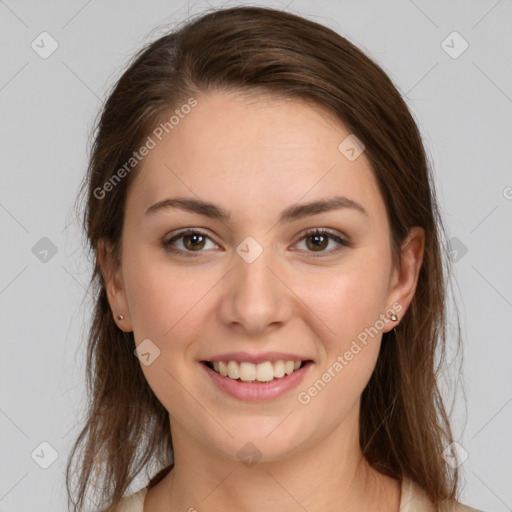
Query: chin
point(261, 441)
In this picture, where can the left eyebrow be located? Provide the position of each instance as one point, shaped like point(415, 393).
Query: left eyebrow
point(324, 205)
point(290, 214)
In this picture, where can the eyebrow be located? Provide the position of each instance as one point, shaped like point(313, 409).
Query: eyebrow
point(294, 212)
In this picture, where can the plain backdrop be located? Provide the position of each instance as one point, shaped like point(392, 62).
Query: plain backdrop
point(450, 60)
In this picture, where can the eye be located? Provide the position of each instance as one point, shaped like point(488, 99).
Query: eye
point(319, 240)
point(194, 241)
point(191, 241)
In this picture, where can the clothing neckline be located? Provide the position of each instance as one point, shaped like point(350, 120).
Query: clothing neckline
point(411, 494)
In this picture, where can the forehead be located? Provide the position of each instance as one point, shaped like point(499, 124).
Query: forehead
point(254, 151)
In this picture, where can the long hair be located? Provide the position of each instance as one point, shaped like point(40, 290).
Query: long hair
point(404, 424)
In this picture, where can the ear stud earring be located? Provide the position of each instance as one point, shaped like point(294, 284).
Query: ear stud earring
point(120, 317)
point(393, 317)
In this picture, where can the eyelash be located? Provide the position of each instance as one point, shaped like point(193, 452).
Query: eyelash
point(310, 232)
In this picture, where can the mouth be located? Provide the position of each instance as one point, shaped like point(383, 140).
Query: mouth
point(265, 372)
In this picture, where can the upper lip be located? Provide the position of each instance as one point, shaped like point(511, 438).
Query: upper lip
point(256, 358)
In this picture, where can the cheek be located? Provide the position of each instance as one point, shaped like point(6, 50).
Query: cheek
point(161, 295)
point(349, 298)
point(166, 306)
point(350, 302)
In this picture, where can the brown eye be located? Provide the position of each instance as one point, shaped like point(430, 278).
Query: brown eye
point(194, 241)
point(317, 240)
point(187, 243)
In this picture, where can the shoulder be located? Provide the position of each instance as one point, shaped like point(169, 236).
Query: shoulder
point(414, 499)
point(132, 503)
point(135, 502)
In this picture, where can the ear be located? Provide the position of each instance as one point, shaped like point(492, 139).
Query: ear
point(114, 285)
point(405, 278)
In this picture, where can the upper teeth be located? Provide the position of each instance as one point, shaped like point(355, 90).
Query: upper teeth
point(263, 372)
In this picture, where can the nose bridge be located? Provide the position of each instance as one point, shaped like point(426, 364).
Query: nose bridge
point(253, 275)
point(257, 297)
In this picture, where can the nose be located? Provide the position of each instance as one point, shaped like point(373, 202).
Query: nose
point(255, 297)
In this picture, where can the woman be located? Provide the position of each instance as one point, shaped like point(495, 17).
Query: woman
point(270, 281)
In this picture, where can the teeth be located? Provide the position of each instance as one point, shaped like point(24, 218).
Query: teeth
point(263, 372)
point(247, 371)
point(288, 367)
point(279, 369)
point(233, 372)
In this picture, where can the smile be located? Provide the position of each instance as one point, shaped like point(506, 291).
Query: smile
point(256, 382)
point(249, 372)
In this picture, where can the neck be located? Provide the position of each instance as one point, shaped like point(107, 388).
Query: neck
point(329, 475)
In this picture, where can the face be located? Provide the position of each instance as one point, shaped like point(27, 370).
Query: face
point(199, 286)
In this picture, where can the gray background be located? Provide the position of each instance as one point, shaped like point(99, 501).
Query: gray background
point(463, 106)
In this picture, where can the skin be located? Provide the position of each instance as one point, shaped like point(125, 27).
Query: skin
point(255, 158)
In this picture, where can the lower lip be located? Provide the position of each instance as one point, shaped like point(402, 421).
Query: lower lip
point(258, 391)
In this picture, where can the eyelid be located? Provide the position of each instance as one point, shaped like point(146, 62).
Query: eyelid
point(167, 242)
point(342, 241)
point(325, 231)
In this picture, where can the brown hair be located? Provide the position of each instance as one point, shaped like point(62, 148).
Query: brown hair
point(404, 426)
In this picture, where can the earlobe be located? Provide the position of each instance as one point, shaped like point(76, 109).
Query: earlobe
point(114, 286)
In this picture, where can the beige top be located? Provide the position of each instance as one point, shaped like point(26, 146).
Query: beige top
point(413, 499)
